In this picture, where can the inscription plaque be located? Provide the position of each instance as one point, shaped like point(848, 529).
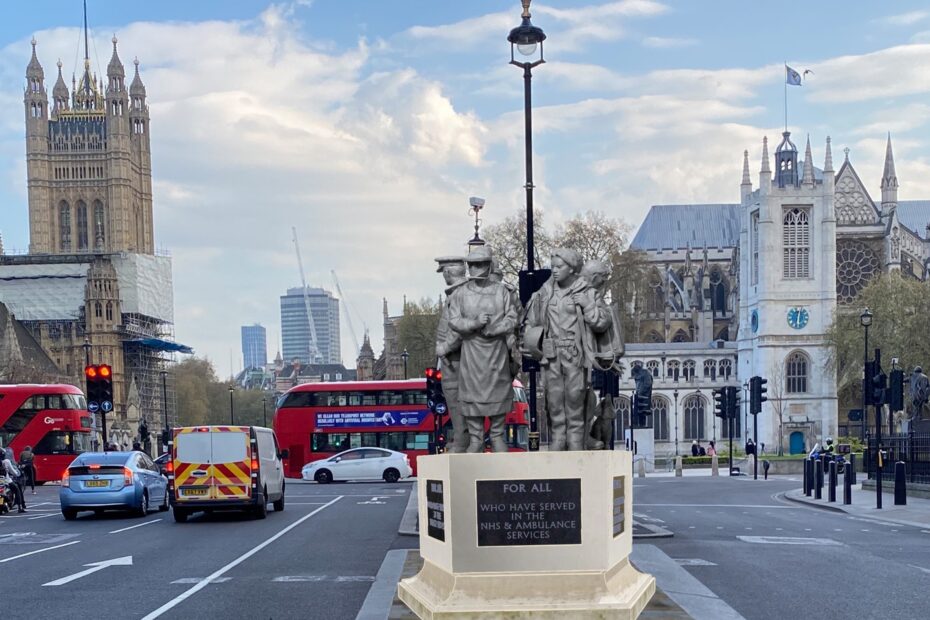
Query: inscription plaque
point(435, 510)
point(529, 512)
point(619, 505)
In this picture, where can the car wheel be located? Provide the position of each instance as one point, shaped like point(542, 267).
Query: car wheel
point(279, 505)
point(164, 506)
point(143, 509)
point(391, 475)
point(180, 515)
point(323, 476)
point(261, 510)
point(69, 514)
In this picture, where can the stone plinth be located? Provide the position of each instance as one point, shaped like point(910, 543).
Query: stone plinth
point(526, 535)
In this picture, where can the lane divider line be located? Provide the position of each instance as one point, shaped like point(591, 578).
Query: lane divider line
point(22, 555)
point(132, 527)
point(242, 558)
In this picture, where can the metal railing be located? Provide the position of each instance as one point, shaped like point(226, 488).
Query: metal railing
point(911, 448)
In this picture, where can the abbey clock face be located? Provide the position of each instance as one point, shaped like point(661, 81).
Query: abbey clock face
point(798, 318)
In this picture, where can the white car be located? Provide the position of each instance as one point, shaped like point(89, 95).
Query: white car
point(359, 464)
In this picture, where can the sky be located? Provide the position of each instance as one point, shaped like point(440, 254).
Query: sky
point(368, 124)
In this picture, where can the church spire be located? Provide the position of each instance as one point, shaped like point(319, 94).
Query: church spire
point(889, 178)
point(34, 68)
point(808, 176)
point(745, 188)
point(765, 173)
point(828, 159)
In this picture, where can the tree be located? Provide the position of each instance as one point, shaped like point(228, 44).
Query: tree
point(508, 243)
point(775, 391)
point(900, 307)
point(416, 332)
point(204, 399)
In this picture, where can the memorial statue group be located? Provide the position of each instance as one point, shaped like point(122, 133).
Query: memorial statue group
point(567, 326)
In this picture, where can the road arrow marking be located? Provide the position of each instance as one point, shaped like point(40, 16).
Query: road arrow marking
point(94, 567)
point(373, 500)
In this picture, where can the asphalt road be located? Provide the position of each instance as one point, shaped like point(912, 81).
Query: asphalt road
point(317, 559)
point(770, 558)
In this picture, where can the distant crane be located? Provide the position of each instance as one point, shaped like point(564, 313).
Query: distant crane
point(345, 309)
point(315, 356)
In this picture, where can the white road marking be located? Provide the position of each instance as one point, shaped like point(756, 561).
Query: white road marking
point(788, 540)
point(873, 521)
point(132, 527)
point(94, 567)
point(41, 517)
point(693, 562)
point(318, 578)
point(242, 558)
point(189, 580)
point(765, 506)
point(22, 555)
point(646, 518)
point(305, 503)
point(374, 500)
point(921, 568)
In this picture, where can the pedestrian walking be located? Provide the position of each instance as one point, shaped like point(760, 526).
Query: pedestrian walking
point(13, 474)
point(28, 468)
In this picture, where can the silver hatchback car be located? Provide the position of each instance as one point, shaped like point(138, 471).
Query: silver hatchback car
point(101, 481)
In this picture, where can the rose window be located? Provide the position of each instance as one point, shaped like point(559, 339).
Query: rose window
point(856, 263)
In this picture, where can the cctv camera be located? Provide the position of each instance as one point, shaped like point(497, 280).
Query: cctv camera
point(476, 202)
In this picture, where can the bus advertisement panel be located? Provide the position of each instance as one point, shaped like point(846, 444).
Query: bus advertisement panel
point(316, 420)
point(52, 419)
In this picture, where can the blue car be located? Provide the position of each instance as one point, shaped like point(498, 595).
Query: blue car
point(101, 481)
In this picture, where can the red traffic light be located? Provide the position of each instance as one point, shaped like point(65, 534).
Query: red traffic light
point(431, 373)
point(104, 371)
point(90, 372)
point(438, 376)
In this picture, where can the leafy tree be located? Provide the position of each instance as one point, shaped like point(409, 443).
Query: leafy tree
point(508, 243)
point(204, 399)
point(416, 332)
point(900, 307)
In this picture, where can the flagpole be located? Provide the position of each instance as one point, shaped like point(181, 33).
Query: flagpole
point(785, 80)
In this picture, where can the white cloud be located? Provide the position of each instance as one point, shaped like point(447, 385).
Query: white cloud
point(668, 42)
point(894, 71)
point(904, 19)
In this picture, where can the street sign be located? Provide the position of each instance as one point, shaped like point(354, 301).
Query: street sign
point(106, 406)
point(93, 407)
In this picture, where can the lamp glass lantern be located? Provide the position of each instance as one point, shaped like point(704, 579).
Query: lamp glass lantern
point(527, 41)
point(865, 319)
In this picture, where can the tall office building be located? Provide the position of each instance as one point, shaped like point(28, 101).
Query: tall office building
point(295, 329)
point(254, 346)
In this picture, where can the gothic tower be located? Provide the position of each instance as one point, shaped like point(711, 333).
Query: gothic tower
point(788, 294)
point(88, 166)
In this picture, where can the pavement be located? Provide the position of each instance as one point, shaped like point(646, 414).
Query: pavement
point(915, 513)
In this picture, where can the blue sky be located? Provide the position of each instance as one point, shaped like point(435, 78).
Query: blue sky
point(367, 124)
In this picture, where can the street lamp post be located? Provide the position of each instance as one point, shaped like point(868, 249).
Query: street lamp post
point(865, 319)
point(405, 356)
point(164, 399)
point(232, 419)
point(526, 39)
point(675, 394)
point(264, 411)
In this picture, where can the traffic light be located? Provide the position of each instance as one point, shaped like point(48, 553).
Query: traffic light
point(868, 373)
point(877, 386)
point(720, 403)
point(435, 399)
point(440, 444)
point(733, 398)
point(642, 409)
point(896, 391)
point(165, 437)
point(99, 391)
point(757, 395)
point(106, 386)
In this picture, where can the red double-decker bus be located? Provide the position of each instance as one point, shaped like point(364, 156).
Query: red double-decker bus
point(316, 420)
point(53, 419)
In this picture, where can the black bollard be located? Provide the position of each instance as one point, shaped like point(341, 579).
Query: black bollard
point(818, 479)
point(806, 478)
point(765, 469)
point(900, 484)
point(831, 495)
point(852, 465)
point(849, 475)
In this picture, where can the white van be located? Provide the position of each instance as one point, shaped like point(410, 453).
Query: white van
point(225, 468)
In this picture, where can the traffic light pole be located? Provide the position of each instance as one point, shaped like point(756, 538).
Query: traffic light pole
point(755, 440)
point(878, 436)
point(730, 421)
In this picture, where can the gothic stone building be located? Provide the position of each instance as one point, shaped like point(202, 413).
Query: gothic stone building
point(91, 286)
point(750, 288)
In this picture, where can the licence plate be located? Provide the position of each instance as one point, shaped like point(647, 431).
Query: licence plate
point(194, 491)
point(97, 483)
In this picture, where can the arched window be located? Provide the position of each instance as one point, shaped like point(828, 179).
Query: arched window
point(718, 292)
point(681, 336)
point(688, 369)
point(98, 310)
point(725, 369)
point(655, 301)
point(673, 370)
point(81, 225)
point(64, 225)
point(796, 235)
point(796, 372)
point(694, 417)
point(99, 227)
point(653, 367)
point(654, 336)
point(660, 418)
point(710, 369)
point(622, 405)
point(109, 310)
